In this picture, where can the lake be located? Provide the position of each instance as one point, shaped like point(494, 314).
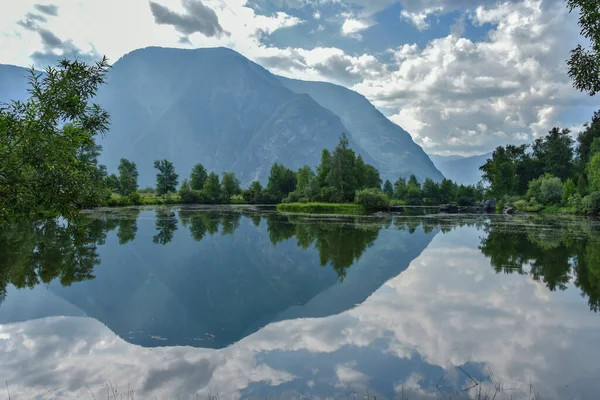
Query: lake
point(229, 303)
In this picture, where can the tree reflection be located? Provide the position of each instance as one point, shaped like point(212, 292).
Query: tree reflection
point(340, 243)
point(128, 226)
point(166, 225)
point(551, 254)
point(46, 250)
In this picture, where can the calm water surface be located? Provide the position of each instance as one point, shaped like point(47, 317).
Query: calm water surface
point(188, 303)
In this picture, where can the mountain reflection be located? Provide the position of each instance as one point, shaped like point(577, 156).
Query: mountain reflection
point(224, 275)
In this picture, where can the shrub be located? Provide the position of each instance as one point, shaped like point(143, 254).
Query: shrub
point(189, 196)
point(135, 198)
point(569, 189)
point(267, 197)
point(293, 197)
point(591, 203)
point(372, 199)
point(551, 190)
point(330, 195)
point(576, 201)
point(521, 205)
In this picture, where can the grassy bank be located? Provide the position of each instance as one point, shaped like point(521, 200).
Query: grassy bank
point(322, 208)
point(142, 199)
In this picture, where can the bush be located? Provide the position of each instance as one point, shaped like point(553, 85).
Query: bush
point(135, 198)
point(551, 190)
point(591, 203)
point(576, 201)
point(521, 205)
point(330, 195)
point(293, 197)
point(372, 199)
point(189, 196)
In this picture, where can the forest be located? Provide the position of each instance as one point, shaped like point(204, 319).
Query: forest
point(556, 172)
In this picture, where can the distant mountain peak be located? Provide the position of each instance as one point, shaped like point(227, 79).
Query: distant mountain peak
point(216, 107)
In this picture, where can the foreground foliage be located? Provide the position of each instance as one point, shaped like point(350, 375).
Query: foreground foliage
point(47, 143)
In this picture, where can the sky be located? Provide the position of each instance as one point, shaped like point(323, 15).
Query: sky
point(461, 76)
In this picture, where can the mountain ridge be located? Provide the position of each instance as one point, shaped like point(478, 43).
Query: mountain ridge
point(216, 107)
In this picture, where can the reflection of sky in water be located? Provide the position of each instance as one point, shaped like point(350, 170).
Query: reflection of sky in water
point(449, 308)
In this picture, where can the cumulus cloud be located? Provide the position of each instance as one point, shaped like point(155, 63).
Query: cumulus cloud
point(197, 19)
point(513, 82)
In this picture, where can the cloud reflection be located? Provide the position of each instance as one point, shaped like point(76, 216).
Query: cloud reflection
point(448, 309)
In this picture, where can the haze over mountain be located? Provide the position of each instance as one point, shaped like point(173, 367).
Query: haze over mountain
point(462, 170)
point(218, 108)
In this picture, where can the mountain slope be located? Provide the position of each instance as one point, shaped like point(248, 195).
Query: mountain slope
point(393, 148)
point(463, 170)
point(218, 108)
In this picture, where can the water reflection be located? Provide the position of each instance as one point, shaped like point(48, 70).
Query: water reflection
point(289, 307)
point(553, 252)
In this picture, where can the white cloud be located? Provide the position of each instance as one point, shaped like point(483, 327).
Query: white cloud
point(352, 27)
point(512, 82)
point(419, 19)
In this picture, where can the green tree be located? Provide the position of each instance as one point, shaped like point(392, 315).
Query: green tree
point(569, 190)
point(400, 189)
point(388, 189)
point(212, 187)
point(254, 193)
point(448, 191)
point(593, 173)
point(231, 185)
point(509, 171)
point(50, 138)
point(586, 138)
point(128, 177)
point(584, 64)
point(282, 181)
point(414, 195)
point(554, 153)
point(198, 177)
point(166, 179)
point(324, 168)
point(341, 175)
point(112, 181)
point(305, 177)
point(372, 178)
point(185, 185)
point(360, 172)
point(431, 191)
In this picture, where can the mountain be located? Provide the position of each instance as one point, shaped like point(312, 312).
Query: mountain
point(13, 83)
point(393, 148)
point(462, 170)
point(218, 108)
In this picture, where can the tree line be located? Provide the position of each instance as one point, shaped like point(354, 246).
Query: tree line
point(341, 177)
point(554, 170)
